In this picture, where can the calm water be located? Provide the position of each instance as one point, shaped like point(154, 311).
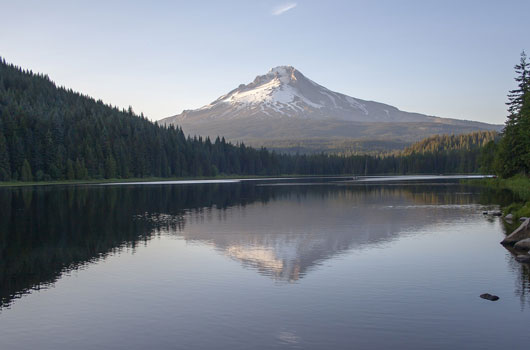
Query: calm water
point(301, 264)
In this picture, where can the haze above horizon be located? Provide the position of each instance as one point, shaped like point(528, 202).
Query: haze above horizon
point(450, 59)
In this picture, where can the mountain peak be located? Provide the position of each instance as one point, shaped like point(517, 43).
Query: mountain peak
point(280, 89)
point(282, 70)
point(280, 75)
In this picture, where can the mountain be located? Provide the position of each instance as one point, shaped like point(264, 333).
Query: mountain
point(285, 106)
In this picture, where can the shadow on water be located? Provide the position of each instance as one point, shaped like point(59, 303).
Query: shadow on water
point(47, 231)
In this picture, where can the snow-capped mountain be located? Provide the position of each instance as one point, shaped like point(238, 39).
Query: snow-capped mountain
point(284, 104)
point(285, 92)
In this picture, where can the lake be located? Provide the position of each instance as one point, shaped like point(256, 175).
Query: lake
point(306, 263)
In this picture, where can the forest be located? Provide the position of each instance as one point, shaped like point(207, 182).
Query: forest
point(50, 133)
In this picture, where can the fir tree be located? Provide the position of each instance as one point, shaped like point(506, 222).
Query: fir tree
point(512, 154)
point(25, 172)
point(70, 172)
point(516, 96)
point(5, 167)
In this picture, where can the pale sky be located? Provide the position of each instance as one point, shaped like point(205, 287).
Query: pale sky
point(446, 58)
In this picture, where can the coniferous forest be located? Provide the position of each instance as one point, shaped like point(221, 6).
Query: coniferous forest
point(53, 133)
point(511, 155)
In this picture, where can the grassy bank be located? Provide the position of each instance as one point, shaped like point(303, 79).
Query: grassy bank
point(519, 185)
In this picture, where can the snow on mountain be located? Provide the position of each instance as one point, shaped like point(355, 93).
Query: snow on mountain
point(277, 89)
point(285, 104)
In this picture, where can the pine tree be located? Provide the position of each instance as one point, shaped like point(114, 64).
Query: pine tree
point(516, 96)
point(70, 172)
point(25, 172)
point(110, 167)
point(513, 148)
point(5, 167)
point(524, 133)
point(81, 172)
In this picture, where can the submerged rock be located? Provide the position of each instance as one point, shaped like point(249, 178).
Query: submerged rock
point(525, 258)
point(523, 244)
point(489, 296)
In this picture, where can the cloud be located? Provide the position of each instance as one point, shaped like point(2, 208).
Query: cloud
point(281, 9)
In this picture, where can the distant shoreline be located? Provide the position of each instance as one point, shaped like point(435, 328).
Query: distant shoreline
point(158, 180)
point(184, 180)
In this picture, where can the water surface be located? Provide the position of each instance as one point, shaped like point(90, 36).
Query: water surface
point(304, 263)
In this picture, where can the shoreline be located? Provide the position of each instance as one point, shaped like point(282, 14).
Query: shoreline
point(518, 185)
point(132, 180)
point(158, 180)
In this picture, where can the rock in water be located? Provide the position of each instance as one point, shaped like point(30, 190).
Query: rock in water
point(523, 244)
point(522, 232)
point(523, 258)
point(508, 217)
point(489, 296)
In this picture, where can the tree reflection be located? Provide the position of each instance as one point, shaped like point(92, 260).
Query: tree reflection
point(47, 231)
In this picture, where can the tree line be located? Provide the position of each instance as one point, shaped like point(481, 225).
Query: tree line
point(53, 133)
point(510, 156)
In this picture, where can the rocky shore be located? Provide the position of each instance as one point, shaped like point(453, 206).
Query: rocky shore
point(518, 242)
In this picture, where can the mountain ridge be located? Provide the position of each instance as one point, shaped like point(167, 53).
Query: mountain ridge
point(285, 104)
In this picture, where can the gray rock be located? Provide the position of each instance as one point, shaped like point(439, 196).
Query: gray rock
point(495, 213)
point(523, 258)
point(523, 244)
point(509, 217)
point(523, 218)
point(522, 232)
point(489, 297)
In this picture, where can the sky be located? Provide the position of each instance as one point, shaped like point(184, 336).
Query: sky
point(445, 58)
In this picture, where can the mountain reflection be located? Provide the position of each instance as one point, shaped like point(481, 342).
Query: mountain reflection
point(47, 231)
point(309, 224)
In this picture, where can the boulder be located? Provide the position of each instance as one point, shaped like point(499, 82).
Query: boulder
point(523, 218)
point(489, 297)
point(523, 258)
point(509, 217)
point(523, 244)
point(522, 232)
